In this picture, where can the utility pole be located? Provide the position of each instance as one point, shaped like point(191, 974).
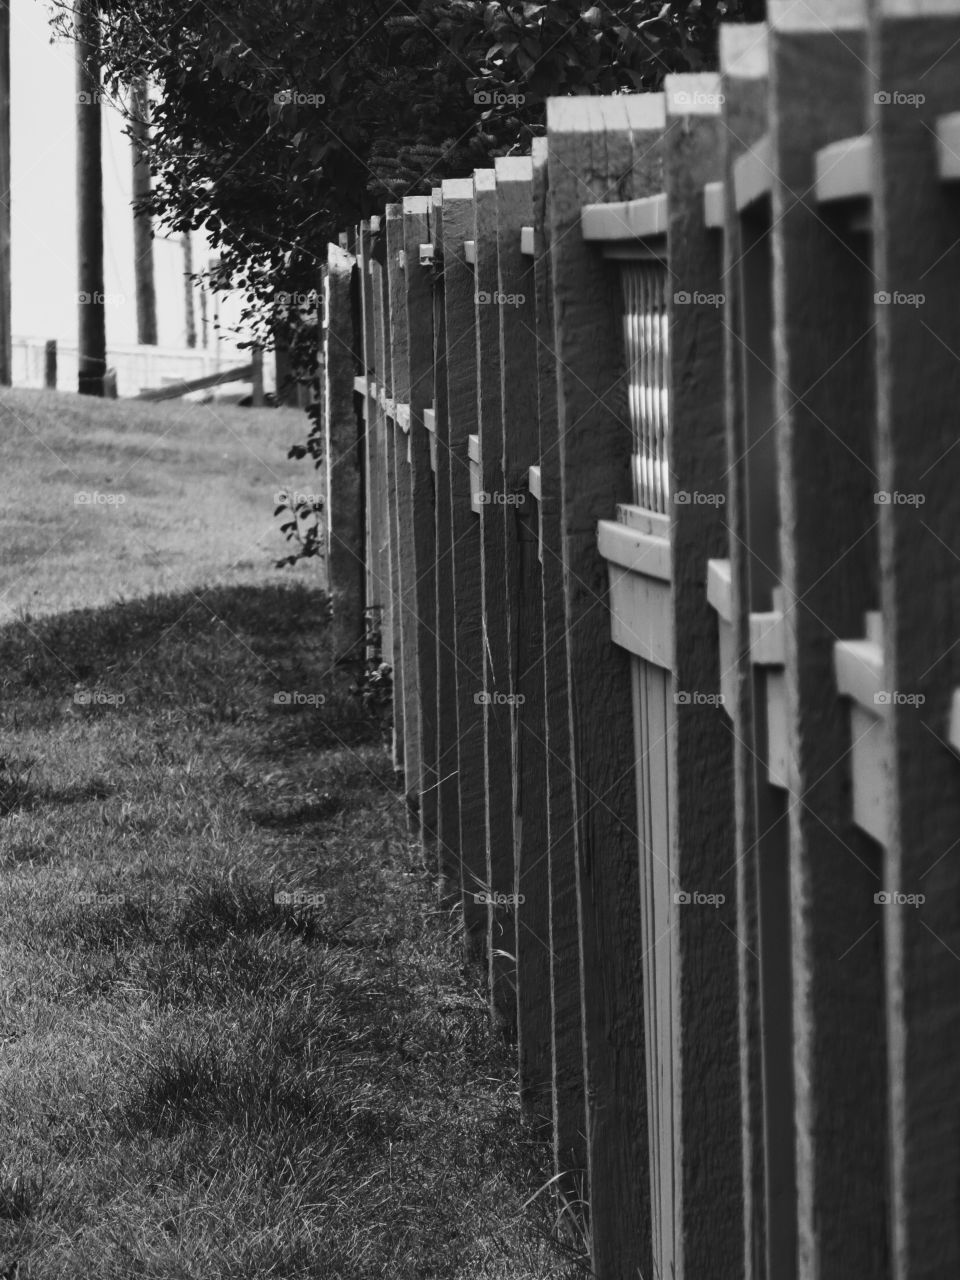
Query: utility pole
point(91, 326)
point(142, 221)
point(6, 342)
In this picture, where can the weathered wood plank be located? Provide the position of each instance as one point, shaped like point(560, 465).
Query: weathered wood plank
point(744, 70)
point(344, 515)
point(495, 689)
point(403, 499)
point(390, 563)
point(449, 875)
point(706, 1137)
point(518, 356)
point(600, 149)
point(421, 600)
point(461, 422)
point(370, 454)
point(915, 49)
point(566, 1014)
point(824, 411)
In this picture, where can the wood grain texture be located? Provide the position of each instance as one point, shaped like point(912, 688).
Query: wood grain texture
point(406, 585)
point(524, 619)
point(495, 689)
point(566, 1014)
point(461, 423)
point(824, 411)
point(743, 60)
point(344, 463)
point(448, 789)
point(919, 382)
point(601, 149)
point(709, 1184)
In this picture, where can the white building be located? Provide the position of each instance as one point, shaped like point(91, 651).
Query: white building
point(43, 235)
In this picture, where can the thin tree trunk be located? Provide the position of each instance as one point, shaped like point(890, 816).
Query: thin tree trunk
point(91, 325)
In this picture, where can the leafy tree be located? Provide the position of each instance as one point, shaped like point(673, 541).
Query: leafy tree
point(278, 123)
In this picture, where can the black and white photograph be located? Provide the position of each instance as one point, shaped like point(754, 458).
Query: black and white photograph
point(479, 640)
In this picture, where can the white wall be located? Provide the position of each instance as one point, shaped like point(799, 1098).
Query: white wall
point(43, 209)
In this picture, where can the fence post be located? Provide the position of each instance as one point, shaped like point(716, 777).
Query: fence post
point(823, 422)
point(914, 120)
point(600, 148)
point(389, 569)
point(50, 364)
point(398, 427)
point(342, 461)
point(449, 858)
point(501, 951)
point(256, 393)
point(517, 352)
point(370, 459)
point(744, 72)
point(421, 598)
point(566, 1015)
point(706, 1137)
point(461, 419)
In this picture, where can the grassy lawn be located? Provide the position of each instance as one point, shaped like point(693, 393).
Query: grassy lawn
point(198, 1078)
point(102, 506)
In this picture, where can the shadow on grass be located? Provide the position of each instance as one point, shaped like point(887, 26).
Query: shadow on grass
point(243, 1043)
point(228, 654)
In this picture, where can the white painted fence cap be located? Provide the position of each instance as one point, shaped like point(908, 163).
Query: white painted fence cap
point(817, 15)
point(743, 51)
point(513, 168)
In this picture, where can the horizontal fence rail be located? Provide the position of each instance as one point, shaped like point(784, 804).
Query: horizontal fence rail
point(643, 477)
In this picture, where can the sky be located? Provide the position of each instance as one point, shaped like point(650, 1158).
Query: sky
point(43, 208)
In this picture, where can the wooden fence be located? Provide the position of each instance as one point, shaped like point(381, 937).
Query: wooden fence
point(644, 449)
